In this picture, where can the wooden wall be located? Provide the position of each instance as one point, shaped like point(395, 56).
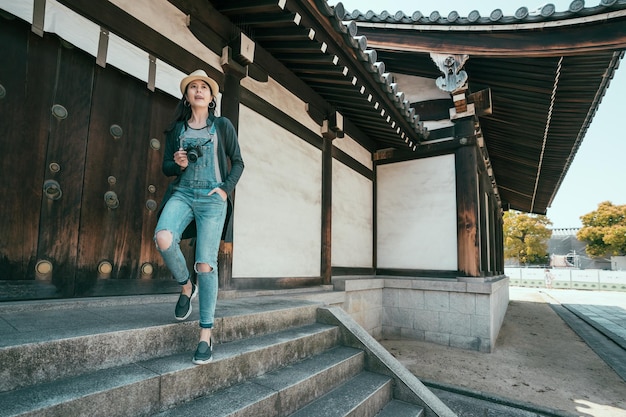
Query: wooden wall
point(78, 232)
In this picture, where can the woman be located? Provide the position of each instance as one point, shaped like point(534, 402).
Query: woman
point(548, 278)
point(197, 150)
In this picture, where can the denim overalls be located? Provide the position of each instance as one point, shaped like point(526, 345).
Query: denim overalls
point(189, 201)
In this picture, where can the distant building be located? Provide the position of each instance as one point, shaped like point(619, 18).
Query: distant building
point(566, 251)
point(618, 263)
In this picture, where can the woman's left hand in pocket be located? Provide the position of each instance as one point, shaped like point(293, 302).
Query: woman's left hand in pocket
point(219, 191)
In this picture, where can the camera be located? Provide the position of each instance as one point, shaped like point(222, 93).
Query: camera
point(193, 152)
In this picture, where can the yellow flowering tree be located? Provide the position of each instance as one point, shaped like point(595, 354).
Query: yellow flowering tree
point(526, 237)
point(604, 230)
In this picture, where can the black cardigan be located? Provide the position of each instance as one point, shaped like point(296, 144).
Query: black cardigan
point(227, 149)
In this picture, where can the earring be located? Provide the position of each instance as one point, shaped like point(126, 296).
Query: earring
point(212, 104)
point(186, 103)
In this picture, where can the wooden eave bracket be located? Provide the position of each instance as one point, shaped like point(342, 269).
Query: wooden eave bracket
point(332, 126)
point(475, 104)
point(316, 114)
point(461, 109)
point(455, 81)
point(239, 56)
point(482, 102)
point(243, 49)
point(230, 65)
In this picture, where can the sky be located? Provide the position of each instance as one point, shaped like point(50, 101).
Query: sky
point(598, 172)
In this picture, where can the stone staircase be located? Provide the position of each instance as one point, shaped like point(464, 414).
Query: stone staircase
point(127, 356)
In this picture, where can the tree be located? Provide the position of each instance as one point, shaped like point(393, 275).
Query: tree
point(526, 237)
point(604, 230)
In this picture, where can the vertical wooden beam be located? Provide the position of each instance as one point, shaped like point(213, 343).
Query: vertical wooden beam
point(327, 191)
point(483, 218)
point(493, 219)
point(375, 219)
point(332, 127)
point(103, 48)
point(467, 211)
point(233, 73)
point(499, 234)
point(151, 72)
point(39, 13)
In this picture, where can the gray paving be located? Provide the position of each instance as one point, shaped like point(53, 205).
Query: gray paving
point(608, 320)
point(599, 318)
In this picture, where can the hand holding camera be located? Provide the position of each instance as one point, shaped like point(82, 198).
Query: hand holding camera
point(180, 157)
point(193, 152)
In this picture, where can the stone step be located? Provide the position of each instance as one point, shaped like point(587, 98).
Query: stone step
point(128, 356)
point(280, 392)
point(153, 385)
point(44, 344)
point(397, 408)
point(365, 395)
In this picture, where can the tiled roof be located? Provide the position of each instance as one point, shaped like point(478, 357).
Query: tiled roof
point(314, 43)
point(523, 14)
point(570, 231)
point(546, 72)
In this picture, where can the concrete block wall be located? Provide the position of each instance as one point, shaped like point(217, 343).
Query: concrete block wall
point(499, 303)
point(464, 314)
point(363, 300)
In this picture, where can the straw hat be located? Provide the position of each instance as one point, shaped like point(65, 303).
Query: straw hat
point(200, 75)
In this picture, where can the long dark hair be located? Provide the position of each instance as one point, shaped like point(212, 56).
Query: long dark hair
point(182, 113)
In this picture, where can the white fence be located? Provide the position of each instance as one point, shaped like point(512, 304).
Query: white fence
point(581, 279)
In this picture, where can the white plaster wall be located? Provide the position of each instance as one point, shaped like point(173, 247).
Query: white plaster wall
point(169, 21)
point(416, 214)
point(418, 89)
point(352, 221)
point(282, 99)
point(352, 148)
point(278, 202)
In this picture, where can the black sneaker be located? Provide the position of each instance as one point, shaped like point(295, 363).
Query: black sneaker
point(204, 353)
point(183, 306)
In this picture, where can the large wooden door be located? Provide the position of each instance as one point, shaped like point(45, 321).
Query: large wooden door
point(122, 188)
point(81, 153)
point(22, 162)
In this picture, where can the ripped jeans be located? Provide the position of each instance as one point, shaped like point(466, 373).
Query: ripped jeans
point(209, 212)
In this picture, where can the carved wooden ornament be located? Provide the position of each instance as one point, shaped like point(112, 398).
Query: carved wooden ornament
point(450, 65)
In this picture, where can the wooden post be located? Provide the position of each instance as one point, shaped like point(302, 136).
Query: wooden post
point(233, 73)
point(484, 210)
point(467, 211)
point(332, 128)
point(327, 191)
point(499, 233)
